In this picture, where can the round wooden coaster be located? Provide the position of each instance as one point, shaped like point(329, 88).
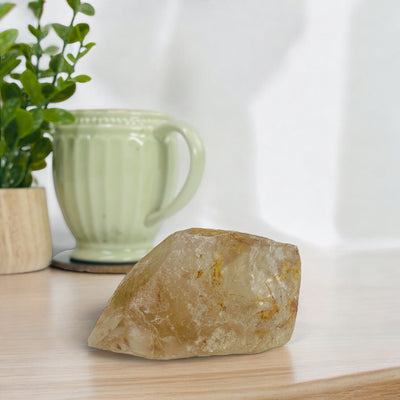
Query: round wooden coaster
point(63, 260)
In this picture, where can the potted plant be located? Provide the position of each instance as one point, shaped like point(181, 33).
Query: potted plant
point(33, 78)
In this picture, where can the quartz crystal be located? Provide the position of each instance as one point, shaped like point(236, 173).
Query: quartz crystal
point(204, 292)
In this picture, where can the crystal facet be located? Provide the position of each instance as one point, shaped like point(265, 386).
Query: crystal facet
point(204, 292)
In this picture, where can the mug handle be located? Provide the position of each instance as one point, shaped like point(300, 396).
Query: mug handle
point(196, 168)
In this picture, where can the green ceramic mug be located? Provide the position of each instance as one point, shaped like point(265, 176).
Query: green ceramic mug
point(114, 175)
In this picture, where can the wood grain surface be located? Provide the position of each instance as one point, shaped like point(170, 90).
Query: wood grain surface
point(346, 344)
point(25, 241)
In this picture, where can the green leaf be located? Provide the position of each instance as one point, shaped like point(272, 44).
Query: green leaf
point(51, 50)
point(15, 175)
point(58, 116)
point(8, 66)
point(24, 122)
point(82, 78)
point(35, 31)
point(19, 168)
point(37, 8)
point(71, 57)
point(47, 73)
point(69, 68)
point(23, 49)
point(86, 8)
point(11, 54)
point(32, 87)
point(31, 138)
point(90, 45)
point(64, 94)
point(46, 127)
point(39, 33)
point(78, 33)
point(41, 149)
point(85, 51)
point(9, 109)
point(5, 8)
point(11, 133)
point(37, 115)
point(62, 31)
point(7, 39)
point(10, 90)
point(57, 63)
point(48, 89)
point(87, 47)
point(61, 83)
point(44, 31)
point(38, 165)
point(74, 4)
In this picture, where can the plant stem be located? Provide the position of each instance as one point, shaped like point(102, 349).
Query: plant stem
point(65, 44)
point(38, 55)
point(76, 59)
point(27, 170)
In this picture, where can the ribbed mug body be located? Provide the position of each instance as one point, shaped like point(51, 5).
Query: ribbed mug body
point(110, 172)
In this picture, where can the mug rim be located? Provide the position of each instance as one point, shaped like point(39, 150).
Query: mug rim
point(140, 120)
point(118, 111)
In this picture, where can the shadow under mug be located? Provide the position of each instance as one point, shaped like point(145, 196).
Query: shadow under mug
point(115, 174)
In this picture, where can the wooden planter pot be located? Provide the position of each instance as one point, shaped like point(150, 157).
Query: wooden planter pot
point(25, 241)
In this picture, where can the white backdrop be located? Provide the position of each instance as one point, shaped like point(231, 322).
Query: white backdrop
point(296, 101)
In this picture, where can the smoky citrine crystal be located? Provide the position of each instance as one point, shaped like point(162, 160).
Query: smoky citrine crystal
point(204, 292)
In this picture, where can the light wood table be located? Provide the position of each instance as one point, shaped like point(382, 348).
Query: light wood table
point(346, 343)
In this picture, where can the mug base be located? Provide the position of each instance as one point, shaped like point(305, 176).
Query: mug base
point(100, 253)
point(77, 261)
